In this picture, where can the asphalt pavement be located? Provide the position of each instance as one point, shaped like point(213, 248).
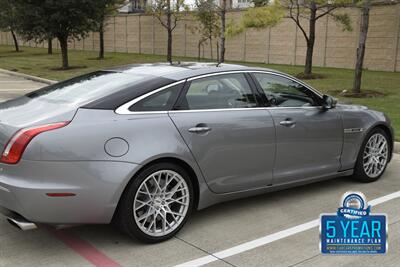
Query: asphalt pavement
point(256, 231)
point(14, 86)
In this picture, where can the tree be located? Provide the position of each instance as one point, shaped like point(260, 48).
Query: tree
point(222, 14)
point(168, 13)
point(64, 20)
point(207, 16)
point(365, 6)
point(105, 8)
point(312, 11)
point(9, 20)
point(361, 45)
point(257, 18)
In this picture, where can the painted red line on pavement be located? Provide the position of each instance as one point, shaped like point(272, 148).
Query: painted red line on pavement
point(83, 248)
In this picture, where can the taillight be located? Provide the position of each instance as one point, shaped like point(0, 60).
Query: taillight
point(19, 141)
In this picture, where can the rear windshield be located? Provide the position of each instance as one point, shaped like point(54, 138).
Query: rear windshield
point(88, 87)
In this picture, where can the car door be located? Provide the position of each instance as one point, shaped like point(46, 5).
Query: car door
point(230, 136)
point(308, 137)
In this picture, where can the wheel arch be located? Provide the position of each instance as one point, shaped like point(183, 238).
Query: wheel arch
point(389, 133)
point(192, 175)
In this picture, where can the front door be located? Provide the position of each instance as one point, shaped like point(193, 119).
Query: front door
point(308, 138)
point(232, 139)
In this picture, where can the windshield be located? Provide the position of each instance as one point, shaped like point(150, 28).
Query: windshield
point(87, 87)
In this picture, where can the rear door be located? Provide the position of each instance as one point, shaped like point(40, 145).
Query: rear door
point(309, 138)
point(229, 134)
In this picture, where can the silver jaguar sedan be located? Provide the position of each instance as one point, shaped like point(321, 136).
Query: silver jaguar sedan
point(144, 145)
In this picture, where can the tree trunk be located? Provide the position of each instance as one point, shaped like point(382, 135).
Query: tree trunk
point(217, 50)
point(310, 41)
point(211, 49)
point(309, 58)
point(101, 38)
point(361, 46)
point(15, 41)
point(169, 48)
point(169, 32)
point(64, 51)
point(49, 46)
point(222, 34)
point(199, 51)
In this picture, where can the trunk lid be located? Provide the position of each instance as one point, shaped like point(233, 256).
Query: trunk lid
point(59, 102)
point(26, 112)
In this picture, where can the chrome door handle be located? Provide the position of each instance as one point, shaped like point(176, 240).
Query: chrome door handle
point(287, 123)
point(197, 129)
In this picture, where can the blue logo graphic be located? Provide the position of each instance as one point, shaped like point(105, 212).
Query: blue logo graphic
point(353, 229)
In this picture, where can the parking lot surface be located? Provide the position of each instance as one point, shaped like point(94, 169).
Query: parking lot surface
point(13, 86)
point(256, 231)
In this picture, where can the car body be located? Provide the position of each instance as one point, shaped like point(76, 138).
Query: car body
point(275, 135)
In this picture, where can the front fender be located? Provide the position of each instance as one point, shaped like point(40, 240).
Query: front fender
point(358, 121)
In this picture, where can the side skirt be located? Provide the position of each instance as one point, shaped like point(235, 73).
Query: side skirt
point(208, 198)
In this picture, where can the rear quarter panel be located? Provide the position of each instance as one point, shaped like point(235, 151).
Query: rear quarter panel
point(149, 136)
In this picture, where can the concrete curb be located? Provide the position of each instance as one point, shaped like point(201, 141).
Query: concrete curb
point(29, 77)
point(396, 147)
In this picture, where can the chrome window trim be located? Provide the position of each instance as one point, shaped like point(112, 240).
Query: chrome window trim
point(124, 109)
point(239, 109)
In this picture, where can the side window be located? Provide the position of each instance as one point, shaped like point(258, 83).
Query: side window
point(283, 92)
point(219, 92)
point(161, 101)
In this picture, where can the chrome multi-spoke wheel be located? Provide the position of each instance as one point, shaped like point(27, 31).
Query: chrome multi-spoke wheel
point(161, 203)
point(375, 156)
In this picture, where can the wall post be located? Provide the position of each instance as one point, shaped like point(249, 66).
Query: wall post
point(326, 39)
point(397, 36)
point(268, 45)
point(140, 34)
point(244, 45)
point(153, 35)
point(295, 45)
point(115, 41)
point(126, 33)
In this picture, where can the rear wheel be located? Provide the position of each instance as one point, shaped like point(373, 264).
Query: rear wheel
point(373, 156)
point(157, 203)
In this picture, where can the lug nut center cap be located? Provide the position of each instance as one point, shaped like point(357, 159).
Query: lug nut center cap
point(158, 202)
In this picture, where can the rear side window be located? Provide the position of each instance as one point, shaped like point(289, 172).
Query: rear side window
point(161, 101)
point(88, 87)
point(223, 91)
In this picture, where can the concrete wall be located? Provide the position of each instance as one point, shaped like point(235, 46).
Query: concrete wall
point(282, 44)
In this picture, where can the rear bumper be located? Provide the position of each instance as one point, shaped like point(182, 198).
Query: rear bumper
point(97, 186)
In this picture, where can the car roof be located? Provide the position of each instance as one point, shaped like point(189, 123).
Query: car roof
point(183, 70)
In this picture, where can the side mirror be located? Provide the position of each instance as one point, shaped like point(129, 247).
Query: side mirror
point(328, 102)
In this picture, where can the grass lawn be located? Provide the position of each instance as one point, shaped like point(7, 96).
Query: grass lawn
point(35, 61)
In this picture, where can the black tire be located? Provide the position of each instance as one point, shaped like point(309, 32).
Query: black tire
point(359, 172)
point(125, 219)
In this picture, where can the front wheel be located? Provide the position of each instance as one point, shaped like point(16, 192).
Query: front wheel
point(373, 157)
point(157, 203)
